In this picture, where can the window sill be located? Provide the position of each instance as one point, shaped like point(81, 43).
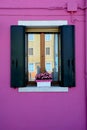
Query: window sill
point(43, 89)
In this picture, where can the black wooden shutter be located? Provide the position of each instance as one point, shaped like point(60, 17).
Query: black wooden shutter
point(18, 57)
point(67, 36)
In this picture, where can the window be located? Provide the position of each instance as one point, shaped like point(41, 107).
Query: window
point(47, 50)
point(30, 67)
point(48, 67)
point(62, 56)
point(31, 76)
point(30, 37)
point(47, 37)
point(39, 46)
point(30, 51)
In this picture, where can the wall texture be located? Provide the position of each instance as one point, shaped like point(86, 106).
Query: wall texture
point(42, 111)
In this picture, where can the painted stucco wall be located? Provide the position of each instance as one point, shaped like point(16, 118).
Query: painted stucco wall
point(42, 111)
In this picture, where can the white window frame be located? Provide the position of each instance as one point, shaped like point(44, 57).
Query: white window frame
point(49, 23)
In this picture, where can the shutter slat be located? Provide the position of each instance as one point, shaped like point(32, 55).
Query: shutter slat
point(67, 55)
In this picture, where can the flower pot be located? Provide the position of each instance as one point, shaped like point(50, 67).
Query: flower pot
point(43, 83)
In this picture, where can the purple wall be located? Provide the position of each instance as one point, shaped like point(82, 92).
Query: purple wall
point(42, 111)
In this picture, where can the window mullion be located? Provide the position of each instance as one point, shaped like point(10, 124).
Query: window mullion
point(42, 52)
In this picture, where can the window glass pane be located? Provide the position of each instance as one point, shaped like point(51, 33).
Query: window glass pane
point(59, 60)
point(44, 55)
point(34, 60)
point(51, 61)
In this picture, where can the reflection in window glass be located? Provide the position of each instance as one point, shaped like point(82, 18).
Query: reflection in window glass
point(30, 37)
point(47, 37)
point(43, 58)
point(47, 50)
point(31, 67)
point(34, 59)
point(48, 67)
point(30, 51)
point(53, 57)
point(31, 71)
